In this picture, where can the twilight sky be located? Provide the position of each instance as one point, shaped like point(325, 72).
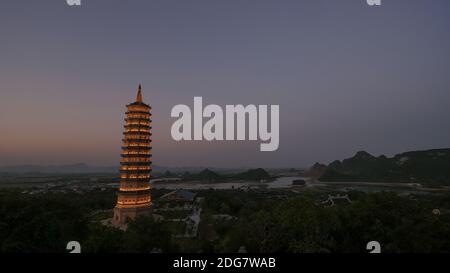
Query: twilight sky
point(347, 76)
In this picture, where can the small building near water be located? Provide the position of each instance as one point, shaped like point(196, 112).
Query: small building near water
point(177, 198)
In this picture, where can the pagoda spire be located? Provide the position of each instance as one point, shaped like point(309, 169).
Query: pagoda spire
point(139, 95)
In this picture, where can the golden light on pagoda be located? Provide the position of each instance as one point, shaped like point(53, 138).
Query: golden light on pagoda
point(134, 196)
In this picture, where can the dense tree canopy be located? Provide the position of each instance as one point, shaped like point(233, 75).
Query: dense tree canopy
point(261, 222)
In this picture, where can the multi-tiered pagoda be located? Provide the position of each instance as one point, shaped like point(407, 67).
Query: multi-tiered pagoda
point(134, 197)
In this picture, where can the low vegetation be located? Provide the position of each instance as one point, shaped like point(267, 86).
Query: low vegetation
point(262, 221)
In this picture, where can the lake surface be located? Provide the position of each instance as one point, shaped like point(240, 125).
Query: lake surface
point(286, 183)
point(282, 182)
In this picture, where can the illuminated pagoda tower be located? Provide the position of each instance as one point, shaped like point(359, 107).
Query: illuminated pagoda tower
point(134, 196)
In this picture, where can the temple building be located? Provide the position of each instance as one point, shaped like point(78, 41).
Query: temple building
point(134, 196)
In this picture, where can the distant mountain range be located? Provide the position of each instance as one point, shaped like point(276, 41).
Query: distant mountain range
point(71, 168)
point(84, 168)
point(430, 166)
point(209, 175)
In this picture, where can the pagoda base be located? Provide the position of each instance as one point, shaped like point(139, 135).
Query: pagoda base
point(123, 215)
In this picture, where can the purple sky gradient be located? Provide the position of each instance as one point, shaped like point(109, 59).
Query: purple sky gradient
point(347, 76)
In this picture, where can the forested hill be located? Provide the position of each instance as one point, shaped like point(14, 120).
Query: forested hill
point(431, 166)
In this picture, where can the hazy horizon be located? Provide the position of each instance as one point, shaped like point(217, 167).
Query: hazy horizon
point(117, 165)
point(347, 77)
